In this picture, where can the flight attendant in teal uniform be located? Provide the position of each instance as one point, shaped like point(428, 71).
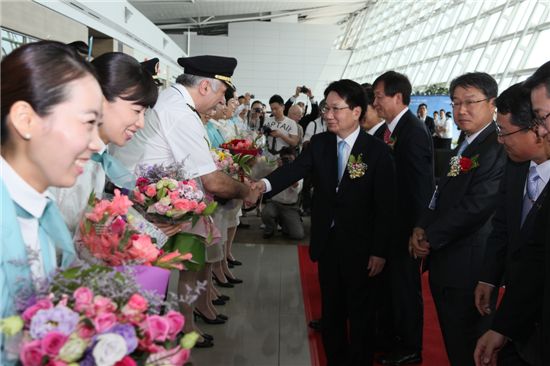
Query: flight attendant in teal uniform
point(50, 104)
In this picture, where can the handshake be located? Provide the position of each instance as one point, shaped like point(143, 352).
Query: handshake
point(256, 189)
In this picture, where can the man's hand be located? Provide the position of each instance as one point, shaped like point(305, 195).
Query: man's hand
point(247, 98)
point(487, 348)
point(276, 134)
point(482, 295)
point(376, 265)
point(418, 243)
point(253, 194)
point(309, 94)
point(297, 92)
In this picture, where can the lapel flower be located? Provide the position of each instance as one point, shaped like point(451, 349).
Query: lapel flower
point(391, 142)
point(462, 164)
point(356, 167)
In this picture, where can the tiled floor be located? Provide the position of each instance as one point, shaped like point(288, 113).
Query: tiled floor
point(267, 324)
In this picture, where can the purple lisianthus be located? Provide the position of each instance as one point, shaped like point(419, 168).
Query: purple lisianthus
point(60, 319)
point(127, 332)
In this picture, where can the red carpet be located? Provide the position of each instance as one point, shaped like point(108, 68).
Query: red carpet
point(434, 349)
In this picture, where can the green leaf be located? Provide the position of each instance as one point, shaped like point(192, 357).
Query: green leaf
point(91, 199)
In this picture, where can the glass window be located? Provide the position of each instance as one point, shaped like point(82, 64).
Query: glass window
point(12, 40)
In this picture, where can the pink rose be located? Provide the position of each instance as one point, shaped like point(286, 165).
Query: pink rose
point(200, 208)
point(158, 327)
point(31, 353)
point(85, 332)
point(103, 305)
point(151, 190)
point(180, 358)
point(182, 204)
point(138, 303)
point(139, 197)
point(176, 322)
point(52, 343)
point(104, 322)
point(83, 298)
point(126, 361)
point(40, 304)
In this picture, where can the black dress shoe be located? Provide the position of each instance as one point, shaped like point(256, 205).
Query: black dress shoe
point(234, 262)
point(315, 325)
point(234, 280)
point(216, 320)
point(218, 302)
point(220, 283)
point(204, 344)
point(224, 297)
point(207, 336)
point(400, 358)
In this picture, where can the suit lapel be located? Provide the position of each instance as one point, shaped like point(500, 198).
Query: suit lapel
point(516, 206)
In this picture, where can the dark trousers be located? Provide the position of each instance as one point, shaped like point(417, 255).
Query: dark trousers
point(509, 356)
point(461, 323)
point(346, 297)
point(407, 304)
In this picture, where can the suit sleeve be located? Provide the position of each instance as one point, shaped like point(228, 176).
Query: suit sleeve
point(494, 261)
point(522, 303)
point(475, 207)
point(419, 163)
point(385, 187)
point(288, 104)
point(287, 174)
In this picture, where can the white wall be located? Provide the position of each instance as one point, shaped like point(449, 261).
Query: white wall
point(273, 58)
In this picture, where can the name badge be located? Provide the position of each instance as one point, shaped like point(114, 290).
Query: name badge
point(433, 201)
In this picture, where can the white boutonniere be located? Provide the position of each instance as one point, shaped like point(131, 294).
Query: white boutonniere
point(356, 167)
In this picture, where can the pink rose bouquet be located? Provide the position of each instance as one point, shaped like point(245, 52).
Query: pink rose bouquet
point(165, 196)
point(90, 329)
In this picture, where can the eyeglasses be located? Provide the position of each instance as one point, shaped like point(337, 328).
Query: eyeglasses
point(541, 121)
point(327, 109)
point(500, 134)
point(467, 103)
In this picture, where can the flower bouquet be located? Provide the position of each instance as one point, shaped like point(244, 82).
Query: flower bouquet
point(242, 147)
point(108, 323)
point(164, 195)
point(107, 233)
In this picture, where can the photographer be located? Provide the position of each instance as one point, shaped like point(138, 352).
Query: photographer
point(283, 208)
point(306, 117)
point(256, 116)
point(280, 130)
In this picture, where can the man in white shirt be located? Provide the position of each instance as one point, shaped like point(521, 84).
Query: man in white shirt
point(175, 132)
point(283, 132)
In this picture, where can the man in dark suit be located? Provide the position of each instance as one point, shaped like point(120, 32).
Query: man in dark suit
point(423, 116)
point(413, 153)
point(453, 229)
point(525, 307)
point(350, 220)
point(513, 223)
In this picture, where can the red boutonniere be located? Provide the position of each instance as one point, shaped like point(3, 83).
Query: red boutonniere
point(462, 164)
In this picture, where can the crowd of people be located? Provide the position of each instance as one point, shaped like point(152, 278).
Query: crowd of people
point(359, 162)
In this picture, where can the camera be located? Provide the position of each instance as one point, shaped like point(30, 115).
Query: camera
point(303, 89)
point(252, 96)
point(257, 110)
point(266, 130)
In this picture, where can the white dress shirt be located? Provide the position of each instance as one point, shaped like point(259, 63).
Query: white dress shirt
point(34, 203)
point(543, 171)
point(375, 128)
point(393, 123)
